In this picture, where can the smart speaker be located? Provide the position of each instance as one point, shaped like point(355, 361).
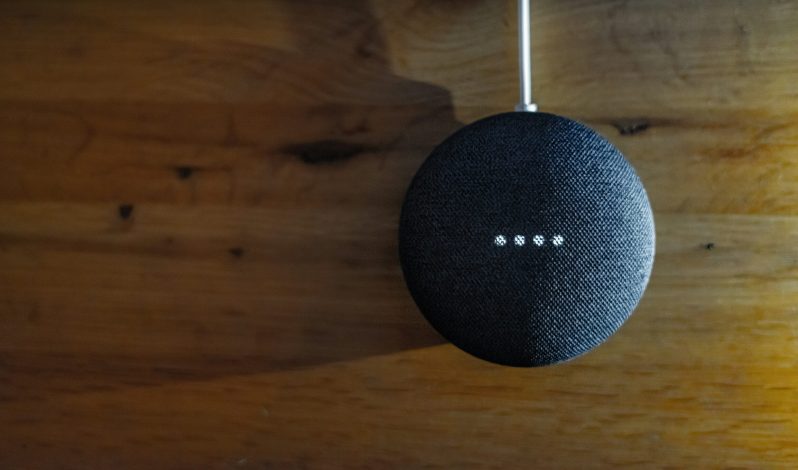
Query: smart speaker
point(526, 238)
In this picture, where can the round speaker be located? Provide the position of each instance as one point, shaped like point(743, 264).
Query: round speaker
point(526, 239)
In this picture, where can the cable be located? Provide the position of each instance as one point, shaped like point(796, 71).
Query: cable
point(527, 103)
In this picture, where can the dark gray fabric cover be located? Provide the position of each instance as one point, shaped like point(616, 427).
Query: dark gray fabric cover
point(520, 303)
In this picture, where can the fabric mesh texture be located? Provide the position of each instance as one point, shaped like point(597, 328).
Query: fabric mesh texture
point(526, 174)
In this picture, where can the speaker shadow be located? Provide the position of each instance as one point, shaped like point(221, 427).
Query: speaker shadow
point(354, 303)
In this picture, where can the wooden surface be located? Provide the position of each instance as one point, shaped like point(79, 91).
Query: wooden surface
point(198, 213)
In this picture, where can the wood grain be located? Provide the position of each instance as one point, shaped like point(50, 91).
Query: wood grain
point(198, 207)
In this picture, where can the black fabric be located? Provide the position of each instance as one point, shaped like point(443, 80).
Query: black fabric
point(527, 174)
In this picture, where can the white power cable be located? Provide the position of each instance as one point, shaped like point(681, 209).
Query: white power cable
point(527, 103)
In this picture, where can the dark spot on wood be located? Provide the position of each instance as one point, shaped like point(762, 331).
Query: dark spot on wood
point(361, 128)
point(709, 246)
point(741, 28)
point(631, 126)
point(364, 50)
point(125, 211)
point(184, 172)
point(326, 151)
point(236, 252)
point(370, 45)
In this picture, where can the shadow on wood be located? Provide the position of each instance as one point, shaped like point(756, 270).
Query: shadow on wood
point(170, 237)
